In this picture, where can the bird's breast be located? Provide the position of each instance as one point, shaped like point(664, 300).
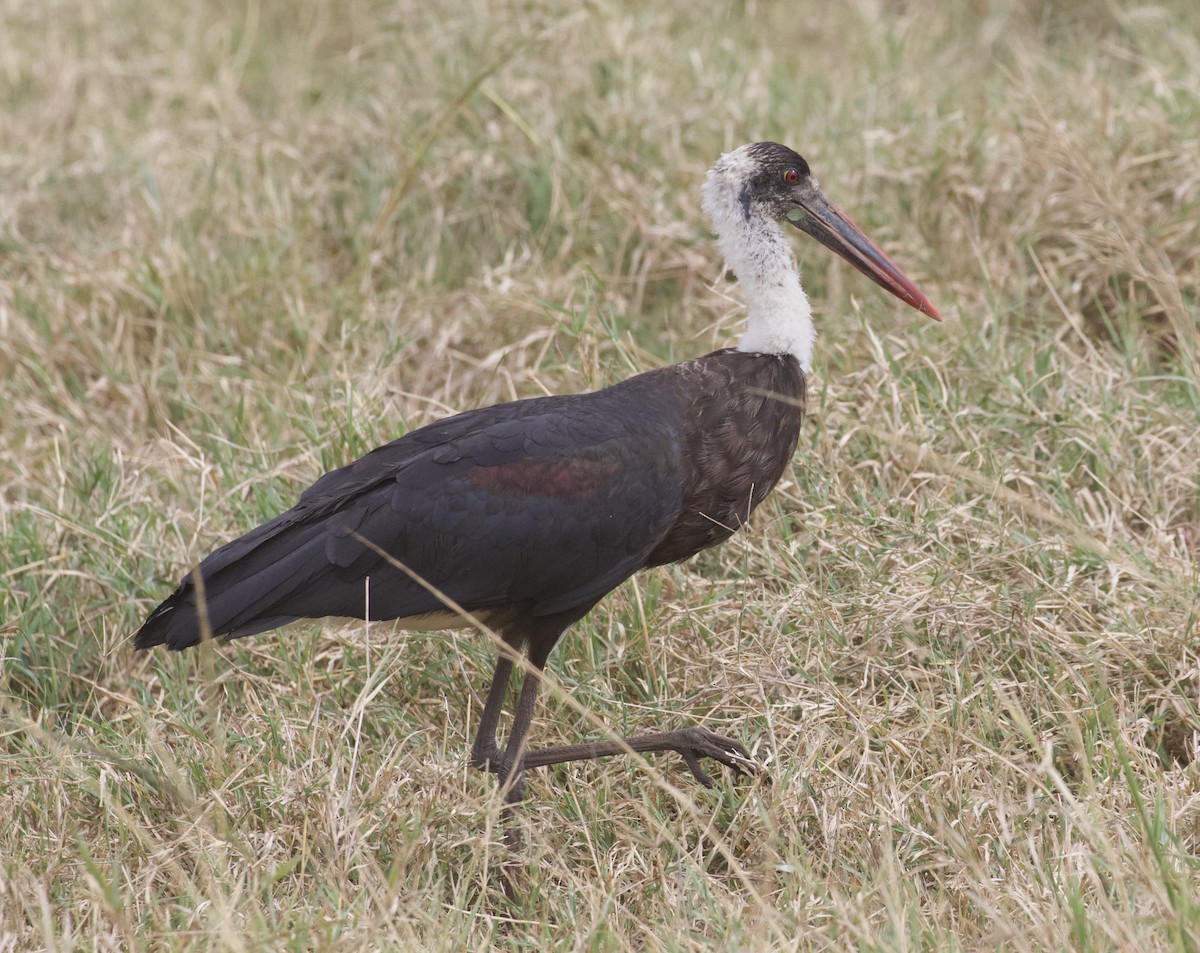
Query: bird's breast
point(740, 434)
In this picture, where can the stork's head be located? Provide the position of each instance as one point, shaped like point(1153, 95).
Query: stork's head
point(766, 182)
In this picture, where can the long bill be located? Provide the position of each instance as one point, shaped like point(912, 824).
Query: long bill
point(825, 222)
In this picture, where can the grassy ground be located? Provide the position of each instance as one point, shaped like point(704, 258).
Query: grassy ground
point(239, 246)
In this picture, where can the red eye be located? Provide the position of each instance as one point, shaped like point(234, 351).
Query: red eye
point(791, 177)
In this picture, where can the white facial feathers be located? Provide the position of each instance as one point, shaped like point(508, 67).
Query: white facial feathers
point(754, 246)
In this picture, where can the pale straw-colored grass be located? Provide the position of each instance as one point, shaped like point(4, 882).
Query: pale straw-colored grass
point(242, 245)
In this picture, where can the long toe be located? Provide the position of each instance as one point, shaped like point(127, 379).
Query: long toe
point(701, 743)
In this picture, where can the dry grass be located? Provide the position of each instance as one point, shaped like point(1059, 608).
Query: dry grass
point(240, 246)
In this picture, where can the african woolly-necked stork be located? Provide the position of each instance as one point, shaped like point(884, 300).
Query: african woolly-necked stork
point(526, 514)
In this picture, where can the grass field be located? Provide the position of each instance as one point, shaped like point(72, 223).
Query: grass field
point(240, 245)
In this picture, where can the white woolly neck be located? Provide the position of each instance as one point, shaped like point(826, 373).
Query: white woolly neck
point(780, 317)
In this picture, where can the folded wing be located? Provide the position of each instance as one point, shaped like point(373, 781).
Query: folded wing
point(539, 506)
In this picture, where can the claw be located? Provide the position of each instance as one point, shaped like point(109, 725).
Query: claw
point(693, 763)
point(703, 743)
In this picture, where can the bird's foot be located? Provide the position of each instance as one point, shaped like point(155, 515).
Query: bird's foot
point(692, 743)
point(497, 762)
point(489, 758)
point(695, 743)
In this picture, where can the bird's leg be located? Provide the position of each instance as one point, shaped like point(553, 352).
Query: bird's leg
point(487, 756)
point(512, 775)
point(485, 753)
point(692, 743)
point(510, 764)
point(514, 752)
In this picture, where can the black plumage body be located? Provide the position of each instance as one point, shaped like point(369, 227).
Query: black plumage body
point(517, 512)
point(526, 514)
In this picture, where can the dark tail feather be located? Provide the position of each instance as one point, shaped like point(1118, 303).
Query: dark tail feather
point(245, 583)
point(176, 624)
point(158, 628)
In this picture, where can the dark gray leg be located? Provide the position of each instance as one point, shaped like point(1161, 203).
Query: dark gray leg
point(485, 753)
point(522, 718)
point(512, 775)
point(509, 764)
point(692, 743)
